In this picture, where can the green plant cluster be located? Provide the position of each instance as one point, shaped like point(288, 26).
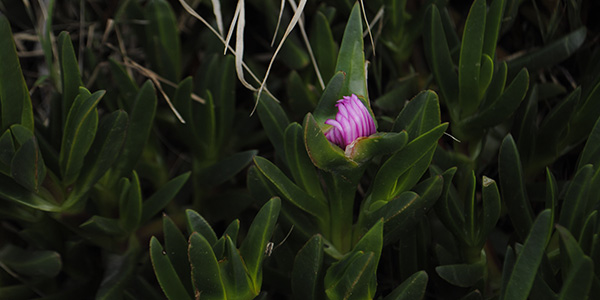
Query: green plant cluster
point(138, 161)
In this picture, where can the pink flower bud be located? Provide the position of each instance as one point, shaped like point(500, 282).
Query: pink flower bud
point(352, 121)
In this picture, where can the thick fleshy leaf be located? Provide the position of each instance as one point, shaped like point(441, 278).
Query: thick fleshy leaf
point(420, 115)
point(253, 247)
point(585, 116)
point(196, 223)
point(501, 109)
point(303, 172)
point(27, 166)
point(120, 271)
point(71, 80)
point(15, 101)
point(463, 275)
point(206, 274)
point(128, 88)
point(307, 277)
point(364, 149)
point(470, 58)
point(447, 208)
point(526, 266)
point(324, 154)
point(162, 197)
point(130, 206)
point(492, 208)
point(555, 127)
point(403, 169)
point(163, 37)
point(581, 271)
point(351, 58)
point(438, 56)
point(591, 151)
point(165, 273)
point(226, 168)
point(413, 288)
point(33, 263)
point(326, 107)
point(575, 207)
point(104, 152)
point(103, 226)
point(141, 119)
point(550, 54)
point(274, 121)
point(327, 51)
point(493, 23)
point(12, 191)
point(289, 191)
point(354, 283)
point(512, 185)
point(176, 247)
point(238, 281)
point(80, 130)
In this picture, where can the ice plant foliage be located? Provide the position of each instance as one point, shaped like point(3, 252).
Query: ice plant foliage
point(352, 121)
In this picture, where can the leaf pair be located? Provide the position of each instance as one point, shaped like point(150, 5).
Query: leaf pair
point(216, 268)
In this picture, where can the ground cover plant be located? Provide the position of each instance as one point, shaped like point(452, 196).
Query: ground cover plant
point(335, 149)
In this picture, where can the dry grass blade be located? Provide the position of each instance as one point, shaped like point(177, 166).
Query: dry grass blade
point(309, 47)
point(364, 13)
point(239, 46)
point(282, 6)
point(245, 67)
point(218, 17)
point(288, 30)
point(232, 26)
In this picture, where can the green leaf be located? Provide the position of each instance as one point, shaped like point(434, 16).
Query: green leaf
point(176, 247)
point(301, 168)
point(141, 118)
point(526, 266)
point(580, 274)
point(447, 208)
point(326, 52)
point(128, 88)
point(15, 102)
point(253, 247)
point(130, 206)
point(274, 121)
point(104, 152)
point(492, 208)
point(288, 190)
point(206, 274)
point(555, 127)
point(550, 54)
point(162, 197)
point(306, 273)
point(80, 130)
point(31, 263)
point(591, 151)
point(7, 151)
point(238, 282)
point(12, 191)
point(301, 99)
point(575, 207)
point(413, 288)
point(512, 185)
point(163, 37)
point(119, 273)
point(71, 80)
point(486, 74)
point(364, 149)
point(326, 107)
point(420, 115)
point(403, 169)
point(585, 116)
point(226, 168)
point(322, 153)
point(354, 283)
point(165, 273)
point(351, 58)
point(196, 223)
point(463, 275)
point(502, 108)
point(438, 56)
point(232, 230)
point(103, 226)
point(27, 166)
point(470, 58)
point(492, 27)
